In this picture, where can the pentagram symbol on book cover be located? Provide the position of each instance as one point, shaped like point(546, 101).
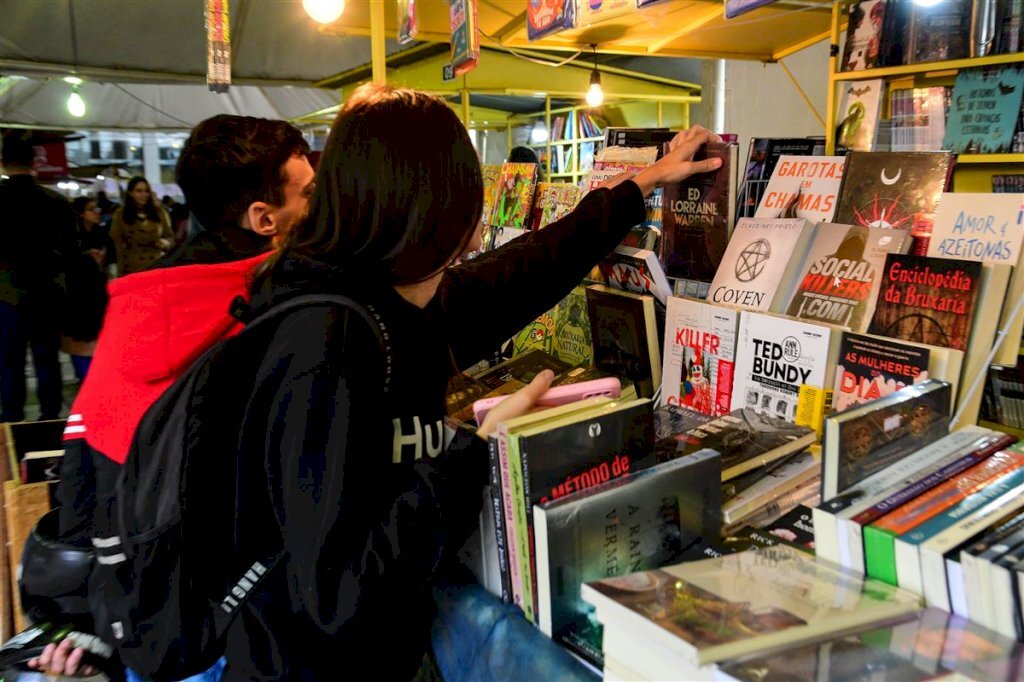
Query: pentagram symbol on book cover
point(752, 260)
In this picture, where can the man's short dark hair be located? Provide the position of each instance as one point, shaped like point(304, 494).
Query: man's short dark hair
point(18, 151)
point(228, 162)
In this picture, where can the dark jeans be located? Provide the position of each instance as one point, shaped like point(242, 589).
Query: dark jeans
point(25, 327)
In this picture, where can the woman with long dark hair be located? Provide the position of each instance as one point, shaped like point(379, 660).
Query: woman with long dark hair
point(141, 229)
point(86, 299)
point(353, 470)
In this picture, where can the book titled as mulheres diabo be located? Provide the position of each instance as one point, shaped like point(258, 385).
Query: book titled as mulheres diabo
point(929, 645)
point(739, 604)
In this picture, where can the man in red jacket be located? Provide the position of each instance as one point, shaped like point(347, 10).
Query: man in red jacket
point(245, 180)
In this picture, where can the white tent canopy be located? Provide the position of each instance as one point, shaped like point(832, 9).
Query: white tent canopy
point(156, 51)
point(42, 104)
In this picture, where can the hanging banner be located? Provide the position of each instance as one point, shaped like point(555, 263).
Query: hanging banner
point(465, 36)
point(50, 161)
point(734, 8)
point(218, 46)
point(407, 26)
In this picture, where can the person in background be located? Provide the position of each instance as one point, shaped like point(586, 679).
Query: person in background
point(344, 431)
point(248, 180)
point(87, 286)
point(37, 241)
point(523, 155)
point(141, 229)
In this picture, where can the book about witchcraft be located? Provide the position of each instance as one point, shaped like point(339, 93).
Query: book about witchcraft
point(927, 300)
point(697, 216)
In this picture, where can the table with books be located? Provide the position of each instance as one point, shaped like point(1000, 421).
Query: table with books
point(788, 481)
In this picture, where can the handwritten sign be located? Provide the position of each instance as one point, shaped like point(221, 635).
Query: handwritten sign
point(979, 227)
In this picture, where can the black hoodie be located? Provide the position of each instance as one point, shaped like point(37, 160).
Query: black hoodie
point(368, 499)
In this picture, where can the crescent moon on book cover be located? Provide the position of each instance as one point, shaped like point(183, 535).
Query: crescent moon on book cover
point(890, 181)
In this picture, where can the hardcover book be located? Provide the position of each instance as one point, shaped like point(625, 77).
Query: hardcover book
point(745, 439)
point(859, 112)
point(549, 16)
point(892, 189)
point(636, 270)
point(803, 187)
point(863, 35)
point(985, 108)
point(760, 263)
point(873, 367)
point(638, 522)
point(785, 368)
point(700, 355)
point(514, 199)
point(625, 336)
point(870, 437)
point(698, 216)
point(712, 610)
point(841, 276)
point(937, 33)
point(928, 645)
point(927, 300)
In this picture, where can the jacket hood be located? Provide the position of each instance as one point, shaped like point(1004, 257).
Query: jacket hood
point(157, 323)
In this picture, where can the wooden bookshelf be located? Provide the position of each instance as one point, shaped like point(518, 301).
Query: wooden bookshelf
point(1019, 433)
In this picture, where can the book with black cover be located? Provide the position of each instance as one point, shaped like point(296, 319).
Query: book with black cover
point(624, 332)
point(762, 157)
point(796, 527)
point(927, 300)
point(698, 217)
point(870, 437)
point(892, 189)
point(744, 438)
point(641, 521)
point(505, 377)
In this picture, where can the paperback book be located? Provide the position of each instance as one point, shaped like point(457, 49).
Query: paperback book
point(746, 439)
point(892, 189)
point(700, 355)
point(873, 367)
point(555, 200)
point(762, 157)
point(985, 109)
point(785, 368)
point(761, 260)
point(638, 522)
point(927, 300)
point(803, 187)
point(863, 35)
point(625, 336)
point(870, 437)
point(636, 270)
point(698, 214)
point(514, 198)
point(841, 276)
point(716, 609)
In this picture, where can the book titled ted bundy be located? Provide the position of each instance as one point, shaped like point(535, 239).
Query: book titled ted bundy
point(842, 274)
point(927, 300)
point(872, 367)
point(697, 215)
point(699, 355)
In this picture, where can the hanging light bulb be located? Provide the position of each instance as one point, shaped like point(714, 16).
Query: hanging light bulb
point(595, 95)
point(538, 134)
point(324, 11)
point(76, 105)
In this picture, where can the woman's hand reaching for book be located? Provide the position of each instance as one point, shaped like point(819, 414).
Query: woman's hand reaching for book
point(678, 163)
point(517, 404)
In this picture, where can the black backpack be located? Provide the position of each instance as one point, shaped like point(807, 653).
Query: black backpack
point(172, 576)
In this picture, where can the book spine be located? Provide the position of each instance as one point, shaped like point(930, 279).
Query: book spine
point(498, 511)
point(928, 482)
point(957, 587)
point(1004, 600)
point(508, 508)
point(524, 465)
point(934, 581)
point(826, 538)
point(522, 538)
point(880, 554)
point(972, 587)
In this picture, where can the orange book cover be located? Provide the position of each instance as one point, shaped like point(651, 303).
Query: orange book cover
point(950, 493)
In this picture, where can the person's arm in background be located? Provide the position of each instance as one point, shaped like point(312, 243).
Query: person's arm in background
point(486, 301)
point(165, 238)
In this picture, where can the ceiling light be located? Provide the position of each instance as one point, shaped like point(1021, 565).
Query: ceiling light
point(926, 3)
point(76, 105)
point(72, 80)
point(324, 11)
point(538, 134)
point(100, 177)
point(595, 95)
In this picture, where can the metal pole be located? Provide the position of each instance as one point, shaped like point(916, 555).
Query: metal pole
point(378, 56)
